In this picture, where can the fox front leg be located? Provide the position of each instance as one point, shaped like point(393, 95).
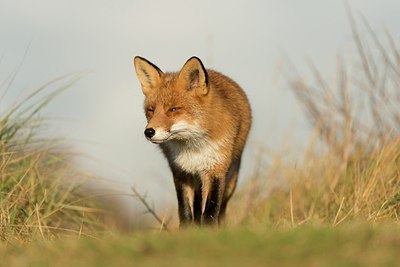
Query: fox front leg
point(213, 190)
point(185, 195)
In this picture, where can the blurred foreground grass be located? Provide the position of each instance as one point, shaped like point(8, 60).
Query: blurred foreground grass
point(40, 191)
point(352, 245)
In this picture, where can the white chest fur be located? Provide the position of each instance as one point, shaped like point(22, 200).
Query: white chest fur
point(195, 156)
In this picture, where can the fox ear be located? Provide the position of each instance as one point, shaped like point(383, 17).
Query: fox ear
point(148, 74)
point(194, 75)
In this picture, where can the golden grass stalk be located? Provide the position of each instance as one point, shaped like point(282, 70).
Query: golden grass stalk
point(354, 173)
point(35, 199)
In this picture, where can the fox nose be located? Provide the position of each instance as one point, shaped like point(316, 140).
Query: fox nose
point(149, 132)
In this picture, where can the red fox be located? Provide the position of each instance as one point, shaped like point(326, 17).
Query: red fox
point(201, 120)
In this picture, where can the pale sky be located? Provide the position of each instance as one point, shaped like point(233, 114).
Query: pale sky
point(248, 40)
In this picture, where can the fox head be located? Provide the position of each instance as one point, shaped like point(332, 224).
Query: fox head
point(175, 102)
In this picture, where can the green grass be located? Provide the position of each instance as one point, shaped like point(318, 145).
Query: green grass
point(353, 245)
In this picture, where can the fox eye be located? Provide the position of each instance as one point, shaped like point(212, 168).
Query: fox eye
point(174, 109)
point(150, 109)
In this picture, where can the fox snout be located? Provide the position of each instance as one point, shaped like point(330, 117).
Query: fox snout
point(149, 132)
point(180, 130)
point(157, 135)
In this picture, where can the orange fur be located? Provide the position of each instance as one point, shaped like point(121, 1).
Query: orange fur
point(201, 119)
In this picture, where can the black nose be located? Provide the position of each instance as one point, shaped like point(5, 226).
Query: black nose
point(149, 132)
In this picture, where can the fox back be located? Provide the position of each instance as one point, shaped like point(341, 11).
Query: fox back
point(201, 120)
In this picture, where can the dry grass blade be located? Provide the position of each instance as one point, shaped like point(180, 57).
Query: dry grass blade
point(149, 209)
point(33, 171)
point(353, 174)
point(373, 89)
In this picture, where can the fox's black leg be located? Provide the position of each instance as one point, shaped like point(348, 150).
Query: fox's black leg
point(231, 181)
point(197, 206)
point(185, 196)
point(214, 201)
point(184, 207)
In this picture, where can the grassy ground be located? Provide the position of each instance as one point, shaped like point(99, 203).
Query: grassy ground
point(353, 245)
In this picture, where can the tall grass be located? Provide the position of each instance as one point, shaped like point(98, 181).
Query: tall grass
point(361, 109)
point(39, 188)
point(351, 168)
point(323, 190)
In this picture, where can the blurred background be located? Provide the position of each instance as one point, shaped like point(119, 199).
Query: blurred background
point(101, 115)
